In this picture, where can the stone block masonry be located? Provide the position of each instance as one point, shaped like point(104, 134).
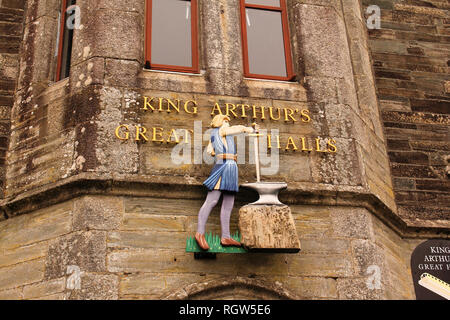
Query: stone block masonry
point(119, 259)
point(11, 16)
point(83, 207)
point(410, 55)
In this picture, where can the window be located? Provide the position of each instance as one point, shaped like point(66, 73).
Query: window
point(171, 35)
point(64, 42)
point(265, 40)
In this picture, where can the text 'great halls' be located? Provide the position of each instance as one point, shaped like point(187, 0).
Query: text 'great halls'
point(259, 114)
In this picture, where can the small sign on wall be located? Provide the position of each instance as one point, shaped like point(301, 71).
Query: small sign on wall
point(430, 267)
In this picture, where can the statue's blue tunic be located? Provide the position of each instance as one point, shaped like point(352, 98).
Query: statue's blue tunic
point(225, 169)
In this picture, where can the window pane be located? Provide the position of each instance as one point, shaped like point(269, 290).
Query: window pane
point(171, 33)
point(266, 55)
point(272, 3)
point(58, 36)
point(67, 39)
point(66, 53)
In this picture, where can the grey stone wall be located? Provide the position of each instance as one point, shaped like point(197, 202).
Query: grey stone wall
point(11, 16)
point(134, 248)
point(71, 123)
point(410, 57)
point(120, 211)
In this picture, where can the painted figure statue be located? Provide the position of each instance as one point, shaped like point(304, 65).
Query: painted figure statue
point(223, 180)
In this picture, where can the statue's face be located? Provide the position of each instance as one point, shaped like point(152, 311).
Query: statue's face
point(226, 124)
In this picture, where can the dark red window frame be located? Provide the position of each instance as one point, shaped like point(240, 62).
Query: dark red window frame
point(194, 45)
point(286, 37)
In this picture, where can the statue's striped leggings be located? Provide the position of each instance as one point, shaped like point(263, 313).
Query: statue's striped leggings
point(211, 201)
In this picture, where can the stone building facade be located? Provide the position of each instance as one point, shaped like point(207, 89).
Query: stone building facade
point(76, 200)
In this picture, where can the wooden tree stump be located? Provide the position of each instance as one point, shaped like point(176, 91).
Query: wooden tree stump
point(267, 228)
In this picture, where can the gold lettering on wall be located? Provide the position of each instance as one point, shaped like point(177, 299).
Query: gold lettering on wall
point(127, 132)
point(272, 117)
point(252, 112)
point(174, 134)
point(157, 135)
point(186, 135)
point(148, 103)
point(194, 107)
point(278, 142)
point(216, 107)
point(231, 109)
point(305, 116)
point(332, 146)
point(243, 110)
point(304, 145)
point(171, 104)
point(140, 132)
point(289, 115)
point(318, 149)
point(291, 143)
point(260, 111)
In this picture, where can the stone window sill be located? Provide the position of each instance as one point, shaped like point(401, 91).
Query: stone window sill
point(58, 84)
point(172, 81)
point(277, 89)
point(159, 72)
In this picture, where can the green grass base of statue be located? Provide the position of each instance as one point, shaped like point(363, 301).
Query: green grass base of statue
point(214, 244)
